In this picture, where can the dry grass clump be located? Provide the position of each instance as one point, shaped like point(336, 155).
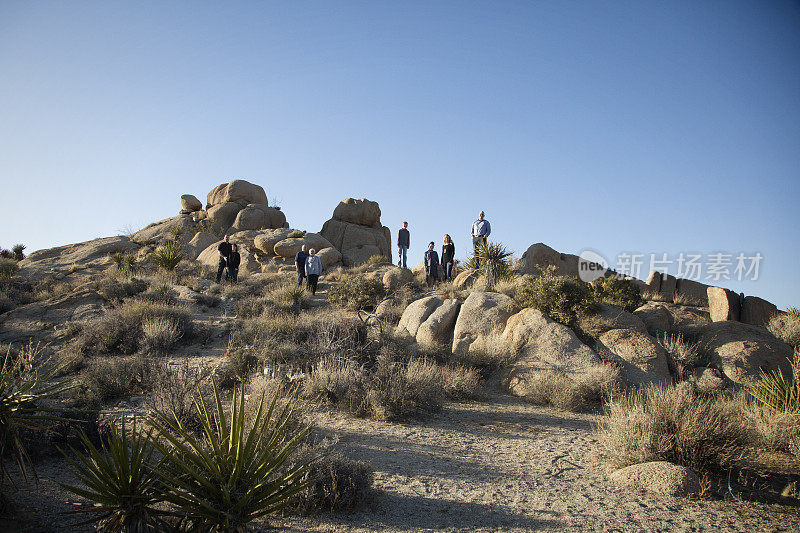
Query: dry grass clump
point(207, 300)
point(357, 292)
point(114, 289)
point(121, 330)
point(582, 392)
point(683, 354)
point(487, 358)
point(160, 335)
point(111, 378)
point(161, 292)
point(335, 483)
point(175, 387)
point(671, 424)
point(786, 326)
point(460, 383)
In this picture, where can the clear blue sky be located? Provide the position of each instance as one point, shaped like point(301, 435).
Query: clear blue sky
point(649, 127)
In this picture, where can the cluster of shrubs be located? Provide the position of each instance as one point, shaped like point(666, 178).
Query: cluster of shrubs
point(357, 292)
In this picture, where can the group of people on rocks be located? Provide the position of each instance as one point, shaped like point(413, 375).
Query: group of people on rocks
point(229, 260)
point(480, 232)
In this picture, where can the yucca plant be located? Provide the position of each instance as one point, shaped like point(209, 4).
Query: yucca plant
point(124, 263)
point(296, 295)
point(234, 472)
point(119, 480)
point(23, 385)
point(494, 261)
point(777, 391)
point(168, 255)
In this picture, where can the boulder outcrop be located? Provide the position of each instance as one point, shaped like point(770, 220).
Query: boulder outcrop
point(660, 477)
point(482, 315)
point(237, 191)
point(415, 314)
point(757, 311)
point(290, 246)
point(437, 330)
point(355, 230)
point(742, 351)
point(723, 304)
point(190, 203)
point(62, 258)
point(643, 360)
point(610, 317)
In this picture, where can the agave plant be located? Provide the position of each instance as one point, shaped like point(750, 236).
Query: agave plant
point(494, 260)
point(235, 471)
point(23, 385)
point(119, 480)
point(777, 391)
point(168, 255)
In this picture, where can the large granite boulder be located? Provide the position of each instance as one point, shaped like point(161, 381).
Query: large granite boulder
point(258, 216)
point(643, 360)
point(465, 279)
point(660, 477)
point(607, 318)
point(757, 311)
point(62, 258)
point(158, 231)
point(437, 330)
point(540, 345)
point(267, 239)
point(692, 292)
point(415, 314)
point(723, 304)
point(190, 203)
point(329, 257)
point(656, 317)
point(482, 315)
point(240, 192)
point(396, 277)
point(355, 230)
point(199, 243)
point(223, 215)
point(742, 351)
point(290, 246)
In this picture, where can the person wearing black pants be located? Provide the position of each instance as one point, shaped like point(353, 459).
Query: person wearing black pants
point(234, 259)
point(313, 270)
point(224, 250)
point(448, 257)
point(300, 264)
point(431, 265)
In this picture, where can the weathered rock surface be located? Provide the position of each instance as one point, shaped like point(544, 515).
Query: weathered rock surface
point(198, 243)
point(191, 203)
point(267, 239)
point(465, 279)
point(61, 258)
point(707, 380)
point(656, 317)
point(415, 314)
point(329, 257)
point(540, 345)
point(610, 317)
point(396, 277)
point(437, 330)
point(258, 216)
point(757, 311)
point(289, 247)
point(669, 285)
point(539, 256)
point(660, 477)
point(162, 229)
point(693, 292)
point(723, 304)
point(240, 192)
point(642, 359)
point(743, 350)
point(223, 215)
point(483, 314)
point(39, 319)
point(358, 241)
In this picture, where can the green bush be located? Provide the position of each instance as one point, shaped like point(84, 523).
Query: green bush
point(19, 252)
point(168, 255)
point(560, 298)
point(618, 291)
point(8, 267)
point(358, 292)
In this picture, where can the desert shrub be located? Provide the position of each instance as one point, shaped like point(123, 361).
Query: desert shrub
point(233, 471)
point(778, 391)
point(8, 267)
point(495, 262)
point(336, 380)
point(112, 289)
point(572, 393)
point(19, 252)
point(207, 300)
point(618, 291)
point(160, 335)
point(357, 292)
point(168, 255)
point(297, 296)
point(120, 330)
point(124, 264)
point(771, 430)
point(251, 306)
point(160, 293)
point(492, 355)
point(460, 383)
point(377, 259)
point(398, 391)
point(174, 388)
point(683, 354)
point(6, 303)
point(111, 378)
point(119, 480)
point(786, 326)
point(560, 298)
point(26, 381)
point(334, 483)
point(671, 424)
point(296, 233)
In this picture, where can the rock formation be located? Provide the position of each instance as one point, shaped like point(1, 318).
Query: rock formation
point(355, 230)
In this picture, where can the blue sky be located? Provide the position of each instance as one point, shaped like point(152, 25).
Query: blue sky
point(645, 127)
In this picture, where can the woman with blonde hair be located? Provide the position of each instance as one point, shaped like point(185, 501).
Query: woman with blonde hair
point(448, 257)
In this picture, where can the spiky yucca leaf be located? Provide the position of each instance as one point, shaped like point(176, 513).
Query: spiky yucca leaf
point(168, 255)
point(233, 473)
point(119, 480)
point(494, 261)
point(777, 391)
point(23, 385)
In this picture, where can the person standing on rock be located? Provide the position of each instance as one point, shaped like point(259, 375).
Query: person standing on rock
point(313, 270)
point(224, 250)
point(480, 232)
point(431, 265)
point(300, 263)
point(234, 259)
point(448, 257)
point(403, 244)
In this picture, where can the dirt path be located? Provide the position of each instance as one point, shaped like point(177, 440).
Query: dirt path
point(503, 465)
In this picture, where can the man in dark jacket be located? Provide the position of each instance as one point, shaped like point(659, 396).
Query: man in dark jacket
point(431, 265)
point(403, 244)
point(300, 264)
point(224, 250)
